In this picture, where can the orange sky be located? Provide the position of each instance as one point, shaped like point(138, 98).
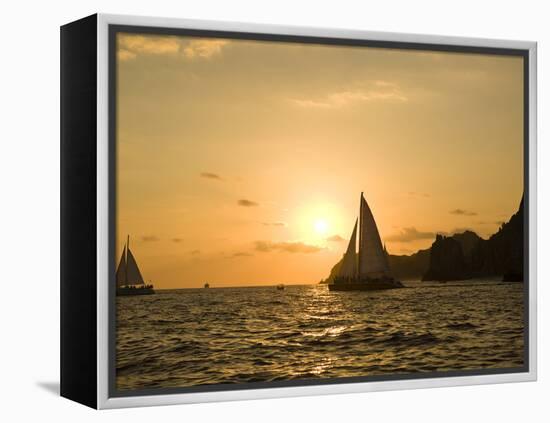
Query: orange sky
point(242, 162)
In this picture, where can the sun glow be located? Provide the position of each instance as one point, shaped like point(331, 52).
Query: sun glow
point(320, 226)
point(315, 220)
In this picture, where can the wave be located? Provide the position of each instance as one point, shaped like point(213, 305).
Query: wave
point(402, 339)
point(201, 337)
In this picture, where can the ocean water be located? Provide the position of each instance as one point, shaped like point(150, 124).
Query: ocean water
point(188, 337)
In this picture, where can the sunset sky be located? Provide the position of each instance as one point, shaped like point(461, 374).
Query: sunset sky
point(242, 162)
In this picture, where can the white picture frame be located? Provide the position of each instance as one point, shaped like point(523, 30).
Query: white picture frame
point(103, 354)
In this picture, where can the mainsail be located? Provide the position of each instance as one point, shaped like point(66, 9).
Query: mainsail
point(348, 269)
point(373, 261)
point(128, 271)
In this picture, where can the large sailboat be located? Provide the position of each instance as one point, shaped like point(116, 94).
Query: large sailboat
point(368, 269)
point(128, 277)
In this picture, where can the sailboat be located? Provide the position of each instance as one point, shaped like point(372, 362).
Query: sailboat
point(368, 269)
point(128, 277)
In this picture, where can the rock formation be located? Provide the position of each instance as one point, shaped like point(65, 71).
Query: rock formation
point(466, 255)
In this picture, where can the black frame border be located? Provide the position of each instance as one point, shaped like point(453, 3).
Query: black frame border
point(113, 29)
point(78, 211)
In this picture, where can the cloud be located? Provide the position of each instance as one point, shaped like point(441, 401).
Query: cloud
point(287, 247)
point(203, 48)
point(195, 252)
point(241, 254)
point(335, 238)
point(209, 175)
point(374, 92)
point(409, 235)
point(132, 45)
point(483, 222)
point(247, 203)
point(455, 231)
point(274, 223)
point(461, 230)
point(462, 212)
point(149, 238)
point(177, 240)
point(418, 194)
point(124, 55)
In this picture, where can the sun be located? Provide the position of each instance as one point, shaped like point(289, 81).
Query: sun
point(320, 226)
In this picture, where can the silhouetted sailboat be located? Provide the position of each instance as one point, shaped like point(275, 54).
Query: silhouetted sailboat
point(369, 269)
point(129, 280)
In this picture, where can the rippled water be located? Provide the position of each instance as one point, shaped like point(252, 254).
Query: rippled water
point(192, 337)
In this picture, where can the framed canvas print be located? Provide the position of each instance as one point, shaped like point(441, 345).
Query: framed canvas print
point(254, 211)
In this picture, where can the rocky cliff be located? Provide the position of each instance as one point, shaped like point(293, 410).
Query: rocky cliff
point(466, 255)
point(451, 257)
point(502, 253)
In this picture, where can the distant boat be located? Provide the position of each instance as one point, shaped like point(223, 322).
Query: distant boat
point(207, 285)
point(280, 286)
point(369, 270)
point(128, 277)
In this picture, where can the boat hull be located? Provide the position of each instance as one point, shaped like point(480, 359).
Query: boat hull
point(129, 291)
point(365, 285)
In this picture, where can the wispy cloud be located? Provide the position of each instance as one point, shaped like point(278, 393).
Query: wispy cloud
point(176, 240)
point(130, 46)
point(483, 222)
point(203, 48)
point(455, 231)
point(418, 194)
point(210, 175)
point(462, 212)
point(125, 55)
point(335, 238)
point(274, 223)
point(241, 254)
point(194, 252)
point(149, 238)
point(247, 203)
point(373, 91)
point(287, 247)
point(410, 234)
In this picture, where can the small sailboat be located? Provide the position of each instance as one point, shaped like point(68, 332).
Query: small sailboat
point(369, 269)
point(206, 285)
point(129, 280)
